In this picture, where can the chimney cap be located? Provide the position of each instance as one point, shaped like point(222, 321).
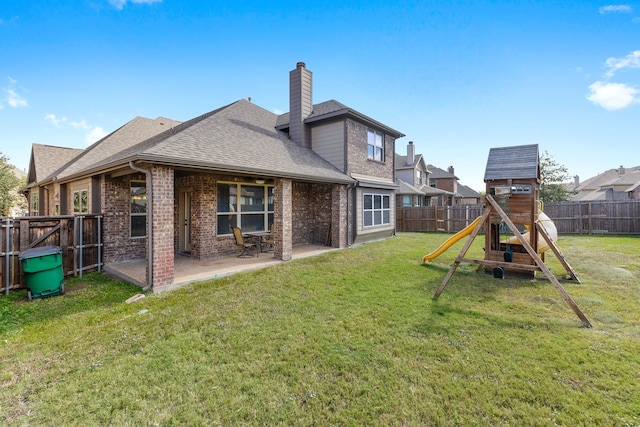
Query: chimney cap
point(301, 65)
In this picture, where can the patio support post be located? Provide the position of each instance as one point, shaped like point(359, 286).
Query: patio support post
point(339, 216)
point(282, 219)
point(162, 226)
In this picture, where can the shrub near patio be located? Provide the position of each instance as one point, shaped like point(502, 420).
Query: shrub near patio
point(346, 338)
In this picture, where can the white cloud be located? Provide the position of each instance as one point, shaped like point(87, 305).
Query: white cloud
point(615, 8)
point(613, 96)
point(54, 120)
point(82, 124)
point(11, 95)
point(632, 60)
point(96, 134)
point(120, 4)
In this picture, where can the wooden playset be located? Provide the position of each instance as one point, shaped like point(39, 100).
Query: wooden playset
point(517, 232)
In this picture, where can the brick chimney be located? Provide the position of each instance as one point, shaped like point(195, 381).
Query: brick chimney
point(300, 104)
point(411, 153)
point(450, 170)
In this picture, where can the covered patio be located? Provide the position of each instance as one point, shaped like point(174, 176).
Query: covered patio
point(187, 269)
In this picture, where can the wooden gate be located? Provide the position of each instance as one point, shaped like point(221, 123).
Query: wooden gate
point(79, 237)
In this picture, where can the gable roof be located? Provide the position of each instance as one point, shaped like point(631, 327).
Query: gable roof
point(401, 162)
point(618, 179)
point(332, 109)
point(468, 192)
point(133, 132)
point(436, 173)
point(45, 159)
point(516, 162)
point(406, 188)
point(237, 138)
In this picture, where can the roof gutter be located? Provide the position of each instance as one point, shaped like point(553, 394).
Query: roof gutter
point(149, 224)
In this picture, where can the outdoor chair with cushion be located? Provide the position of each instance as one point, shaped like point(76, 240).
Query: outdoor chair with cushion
point(246, 247)
point(269, 242)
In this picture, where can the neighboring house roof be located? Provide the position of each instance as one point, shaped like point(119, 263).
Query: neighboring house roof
point(594, 187)
point(332, 109)
point(135, 131)
point(517, 162)
point(45, 159)
point(467, 192)
point(237, 138)
point(401, 162)
point(433, 191)
point(406, 188)
point(437, 173)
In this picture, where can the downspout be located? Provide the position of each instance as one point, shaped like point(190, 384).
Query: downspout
point(149, 225)
point(350, 193)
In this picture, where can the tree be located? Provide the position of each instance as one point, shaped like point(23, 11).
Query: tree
point(9, 184)
point(552, 176)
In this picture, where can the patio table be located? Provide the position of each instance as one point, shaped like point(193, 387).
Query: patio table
point(257, 236)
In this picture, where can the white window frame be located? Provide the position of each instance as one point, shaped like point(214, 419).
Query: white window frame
point(132, 184)
point(377, 215)
point(82, 199)
point(34, 203)
point(375, 145)
point(235, 213)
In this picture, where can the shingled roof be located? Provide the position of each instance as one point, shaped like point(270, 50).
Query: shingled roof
point(517, 162)
point(331, 109)
point(45, 159)
point(238, 138)
point(134, 132)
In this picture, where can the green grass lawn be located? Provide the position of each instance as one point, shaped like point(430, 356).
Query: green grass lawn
point(351, 337)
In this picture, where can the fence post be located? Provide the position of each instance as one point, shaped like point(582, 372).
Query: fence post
point(7, 251)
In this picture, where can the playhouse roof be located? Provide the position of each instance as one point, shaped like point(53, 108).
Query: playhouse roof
point(517, 162)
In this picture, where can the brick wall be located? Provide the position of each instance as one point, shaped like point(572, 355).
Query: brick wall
point(163, 201)
point(339, 215)
point(357, 160)
point(118, 245)
point(282, 219)
point(311, 213)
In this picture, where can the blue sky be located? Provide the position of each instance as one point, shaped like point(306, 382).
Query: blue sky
point(457, 78)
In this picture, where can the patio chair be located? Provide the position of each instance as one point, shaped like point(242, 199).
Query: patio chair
point(246, 247)
point(269, 242)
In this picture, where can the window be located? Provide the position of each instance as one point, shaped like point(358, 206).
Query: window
point(419, 177)
point(80, 202)
point(632, 194)
point(138, 199)
point(34, 204)
point(252, 211)
point(375, 145)
point(376, 210)
point(406, 201)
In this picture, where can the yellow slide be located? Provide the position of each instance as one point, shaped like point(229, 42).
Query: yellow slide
point(451, 240)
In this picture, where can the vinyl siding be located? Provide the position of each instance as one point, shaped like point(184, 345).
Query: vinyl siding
point(328, 143)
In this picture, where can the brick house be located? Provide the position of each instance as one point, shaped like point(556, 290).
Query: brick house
point(319, 174)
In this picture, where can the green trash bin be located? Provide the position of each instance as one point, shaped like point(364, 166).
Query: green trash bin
point(42, 268)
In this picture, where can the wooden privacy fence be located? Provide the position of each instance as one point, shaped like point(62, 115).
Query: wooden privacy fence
point(79, 237)
point(437, 218)
point(594, 217)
